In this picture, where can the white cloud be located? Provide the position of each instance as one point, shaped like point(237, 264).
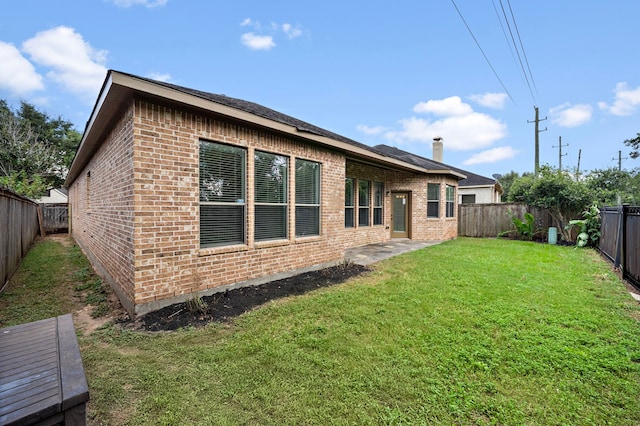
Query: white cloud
point(73, 62)
point(290, 31)
point(460, 127)
point(17, 74)
point(147, 3)
point(491, 156)
point(490, 100)
point(444, 107)
point(160, 76)
point(257, 42)
point(626, 101)
point(368, 130)
point(567, 115)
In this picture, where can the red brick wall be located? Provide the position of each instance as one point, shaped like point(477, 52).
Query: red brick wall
point(102, 208)
point(168, 258)
point(422, 228)
point(140, 223)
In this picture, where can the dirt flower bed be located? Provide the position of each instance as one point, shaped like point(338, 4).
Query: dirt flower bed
point(224, 306)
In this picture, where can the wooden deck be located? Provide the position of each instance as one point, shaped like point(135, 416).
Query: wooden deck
point(42, 379)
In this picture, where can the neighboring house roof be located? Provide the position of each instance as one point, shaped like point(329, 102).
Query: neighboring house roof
point(471, 179)
point(119, 86)
point(54, 196)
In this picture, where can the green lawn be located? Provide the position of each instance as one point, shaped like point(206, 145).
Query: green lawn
point(472, 331)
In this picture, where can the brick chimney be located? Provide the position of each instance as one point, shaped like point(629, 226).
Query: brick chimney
point(437, 149)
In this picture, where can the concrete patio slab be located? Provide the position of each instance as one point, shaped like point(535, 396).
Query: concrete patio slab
point(366, 255)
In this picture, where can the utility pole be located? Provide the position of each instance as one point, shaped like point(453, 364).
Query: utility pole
point(620, 160)
point(560, 155)
point(537, 121)
point(578, 168)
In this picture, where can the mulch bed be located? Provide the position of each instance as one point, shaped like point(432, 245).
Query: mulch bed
point(224, 306)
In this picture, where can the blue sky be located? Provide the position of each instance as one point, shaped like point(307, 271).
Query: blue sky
point(398, 73)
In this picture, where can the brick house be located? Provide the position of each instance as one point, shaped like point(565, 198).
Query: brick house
point(472, 189)
point(175, 191)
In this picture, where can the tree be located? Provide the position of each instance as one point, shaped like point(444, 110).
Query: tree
point(506, 181)
point(611, 186)
point(635, 146)
point(556, 191)
point(35, 150)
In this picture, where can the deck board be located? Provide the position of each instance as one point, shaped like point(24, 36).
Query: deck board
point(41, 373)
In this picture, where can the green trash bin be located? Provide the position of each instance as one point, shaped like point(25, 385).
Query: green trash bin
point(553, 235)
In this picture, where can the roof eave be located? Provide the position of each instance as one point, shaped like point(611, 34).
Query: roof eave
point(118, 85)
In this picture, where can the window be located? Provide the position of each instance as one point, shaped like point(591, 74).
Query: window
point(271, 174)
point(307, 198)
point(469, 199)
point(451, 197)
point(378, 190)
point(433, 200)
point(363, 203)
point(349, 206)
point(222, 194)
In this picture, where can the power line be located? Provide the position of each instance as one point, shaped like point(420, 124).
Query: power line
point(506, 37)
point(482, 51)
point(513, 40)
point(524, 53)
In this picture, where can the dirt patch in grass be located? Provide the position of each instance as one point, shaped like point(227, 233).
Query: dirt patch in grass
point(224, 306)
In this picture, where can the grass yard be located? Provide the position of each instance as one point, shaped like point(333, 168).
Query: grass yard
point(472, 331)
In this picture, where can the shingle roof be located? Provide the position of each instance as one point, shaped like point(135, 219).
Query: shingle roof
point(256, 109)
point(471, 180)
point(119, 85)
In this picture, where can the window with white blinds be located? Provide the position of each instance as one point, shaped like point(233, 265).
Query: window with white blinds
point(271, 176)
point(349, 204)
point(378, 189)
point(451, 200)
point(363, 203)
point(307, 198)
point(222, 194)
point(433, 200)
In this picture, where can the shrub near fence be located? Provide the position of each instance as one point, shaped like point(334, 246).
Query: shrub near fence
point(620, 240)
point(488, 220)
point(18, 229)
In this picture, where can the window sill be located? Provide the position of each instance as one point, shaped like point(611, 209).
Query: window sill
point(271, 243)
point(309, 239)
point(225, 249)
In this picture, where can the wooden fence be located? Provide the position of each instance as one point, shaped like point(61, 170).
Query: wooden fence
point(620, 240)
point(55, 217)
point(19, 227)
point(489, 220)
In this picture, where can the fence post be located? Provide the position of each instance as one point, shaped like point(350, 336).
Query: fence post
point(619, 237)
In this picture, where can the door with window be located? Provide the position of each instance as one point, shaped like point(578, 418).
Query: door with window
point(400, 220)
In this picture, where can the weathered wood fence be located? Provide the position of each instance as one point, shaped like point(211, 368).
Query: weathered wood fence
point(620, 240)
point(488, 220)
point(55, 217)
point(19, 227)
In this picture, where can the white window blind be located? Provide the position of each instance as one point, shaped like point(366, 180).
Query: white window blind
point(451, 198)
point(363, 203)
point(271, 176)
point(222, 194)
point(307, 198)
point(349, 206)
point(433, 200)
point(378, 191)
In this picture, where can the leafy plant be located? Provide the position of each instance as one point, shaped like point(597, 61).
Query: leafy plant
point(525, 229)
point(556, 191)
point(589, 227)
